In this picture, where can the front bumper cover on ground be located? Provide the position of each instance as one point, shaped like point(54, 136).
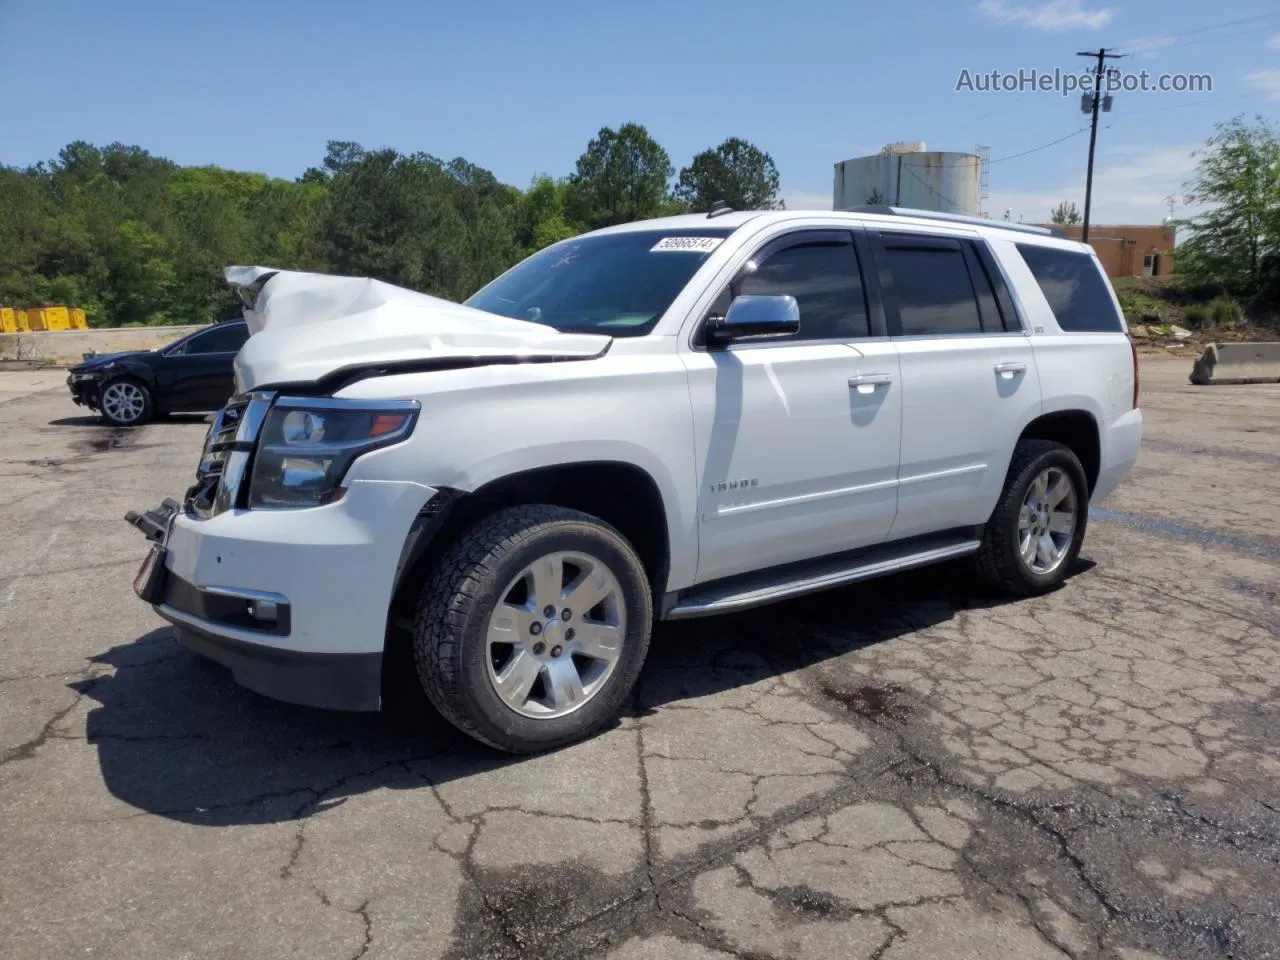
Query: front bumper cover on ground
point(332, 681)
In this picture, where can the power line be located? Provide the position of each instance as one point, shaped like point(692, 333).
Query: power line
point(941, 196)
point(1213, 38)
point(1198, 32)
point(1196, 103)
point(1012, 156)
point(1043, 146)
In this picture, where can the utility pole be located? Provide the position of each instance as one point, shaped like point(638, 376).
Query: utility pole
point(1093, 103)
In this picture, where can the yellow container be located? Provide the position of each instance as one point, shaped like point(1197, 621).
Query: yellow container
point(35, 318)
point(57, 318)
point(78, 321)
point(20, 317)
point(8, 321)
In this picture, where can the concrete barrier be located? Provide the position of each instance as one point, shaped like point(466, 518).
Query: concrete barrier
point(1238, 363)
point(65, 347)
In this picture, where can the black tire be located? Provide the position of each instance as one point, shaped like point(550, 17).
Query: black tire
point(148, 403)
point(999, 562)
point(450, 631)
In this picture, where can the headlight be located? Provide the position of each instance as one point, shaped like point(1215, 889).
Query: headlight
point(79, 377)
point(308, 443)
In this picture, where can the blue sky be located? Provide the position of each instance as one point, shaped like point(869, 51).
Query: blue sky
point(520, 87)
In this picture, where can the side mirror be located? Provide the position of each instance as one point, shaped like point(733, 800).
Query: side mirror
point(755, 318)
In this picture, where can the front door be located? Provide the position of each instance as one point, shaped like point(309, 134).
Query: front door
point(202, 376)
point(797, 440)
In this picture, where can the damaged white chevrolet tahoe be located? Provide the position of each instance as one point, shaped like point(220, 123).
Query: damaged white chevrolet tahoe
point(660, 420)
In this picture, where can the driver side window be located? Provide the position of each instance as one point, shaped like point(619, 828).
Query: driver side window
point(821, 271)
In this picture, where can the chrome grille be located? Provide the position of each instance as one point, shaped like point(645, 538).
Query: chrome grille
point(228, 451)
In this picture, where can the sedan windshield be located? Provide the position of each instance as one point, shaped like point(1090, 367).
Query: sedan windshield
point(617, 283)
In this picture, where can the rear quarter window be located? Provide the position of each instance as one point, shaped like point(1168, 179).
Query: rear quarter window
point(1077, 291)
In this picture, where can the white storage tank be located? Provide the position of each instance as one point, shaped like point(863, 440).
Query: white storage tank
point(907, 175)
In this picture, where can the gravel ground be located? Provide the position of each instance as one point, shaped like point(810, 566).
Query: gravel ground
point(897, 770)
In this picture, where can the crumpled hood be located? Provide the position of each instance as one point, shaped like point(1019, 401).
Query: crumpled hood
point(101, 360)
point(306, 326)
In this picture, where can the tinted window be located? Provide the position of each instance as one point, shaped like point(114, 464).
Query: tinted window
point(823, 277)
point(932, 286)
point(226, 339)
point(615, 283)
point(1075, 288)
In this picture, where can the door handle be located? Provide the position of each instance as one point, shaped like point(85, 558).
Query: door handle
point(1007, 370)
point(867, 382)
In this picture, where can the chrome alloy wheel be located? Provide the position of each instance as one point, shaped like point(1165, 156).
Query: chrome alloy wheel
point(1047, 521)
point(123, 401)
point(556, 635)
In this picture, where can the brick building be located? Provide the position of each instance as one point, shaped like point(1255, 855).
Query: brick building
point(1129, 250)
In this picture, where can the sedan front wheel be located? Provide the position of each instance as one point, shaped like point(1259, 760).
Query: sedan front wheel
point(126, 402)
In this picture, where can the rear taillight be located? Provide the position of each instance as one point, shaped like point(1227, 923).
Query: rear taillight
point(1133, 349)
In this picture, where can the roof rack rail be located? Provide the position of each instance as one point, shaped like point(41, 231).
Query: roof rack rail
point(886, 210)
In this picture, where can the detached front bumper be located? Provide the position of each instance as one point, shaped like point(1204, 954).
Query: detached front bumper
point(295, 602)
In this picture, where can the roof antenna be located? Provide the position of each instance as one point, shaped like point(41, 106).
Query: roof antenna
point(718, 208)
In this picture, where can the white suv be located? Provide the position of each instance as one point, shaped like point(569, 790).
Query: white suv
point(660, 420)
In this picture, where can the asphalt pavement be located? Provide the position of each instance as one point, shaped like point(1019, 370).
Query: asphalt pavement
point(905, 769)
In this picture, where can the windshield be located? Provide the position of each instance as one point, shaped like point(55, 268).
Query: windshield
point(618, 283)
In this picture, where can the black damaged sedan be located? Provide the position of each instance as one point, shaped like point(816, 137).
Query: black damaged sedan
point(193, 373)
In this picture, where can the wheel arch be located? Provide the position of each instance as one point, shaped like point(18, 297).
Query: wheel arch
point(622, 494)
point(1075, 429)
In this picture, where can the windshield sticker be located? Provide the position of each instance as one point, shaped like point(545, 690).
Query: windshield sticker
point(686, 244)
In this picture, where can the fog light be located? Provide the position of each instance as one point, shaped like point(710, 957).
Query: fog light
point(263, 610)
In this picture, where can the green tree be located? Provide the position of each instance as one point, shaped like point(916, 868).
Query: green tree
point(416, 221)
point(621, 177)
point(541, 220)
point(141, 275)
point(737, 172)
point(1065, 213)
point(1236, 241)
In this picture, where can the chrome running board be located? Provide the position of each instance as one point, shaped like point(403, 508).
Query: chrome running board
point(820, 575)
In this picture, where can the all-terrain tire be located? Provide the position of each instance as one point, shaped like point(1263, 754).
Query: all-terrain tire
point(460, 594)
point(999, 561)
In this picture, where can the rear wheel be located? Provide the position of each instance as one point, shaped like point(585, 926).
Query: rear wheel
point(126, 402)
point(533, 627)
point(1035, 532)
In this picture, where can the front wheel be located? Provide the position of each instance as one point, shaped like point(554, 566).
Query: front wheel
point(126, 402)
point(1035, 532)
point(532, 629)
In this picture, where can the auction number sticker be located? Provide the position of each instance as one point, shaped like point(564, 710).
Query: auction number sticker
point(687, 244)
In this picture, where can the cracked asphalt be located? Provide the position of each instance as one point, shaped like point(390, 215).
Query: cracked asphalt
point(906, 769)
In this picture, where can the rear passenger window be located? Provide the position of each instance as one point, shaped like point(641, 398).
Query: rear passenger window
point(823, 277)
point(1075, 288)
point(932, 287)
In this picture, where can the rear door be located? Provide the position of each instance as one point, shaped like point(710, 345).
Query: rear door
point(969, 379)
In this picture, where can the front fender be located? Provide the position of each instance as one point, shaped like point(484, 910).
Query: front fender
point(130, 368)
point(678, 501)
